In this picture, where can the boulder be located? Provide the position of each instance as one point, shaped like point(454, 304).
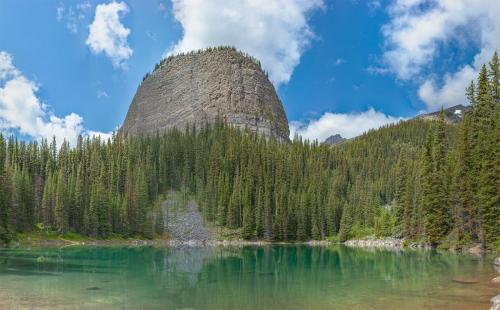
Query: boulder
point(495, 303)
point(496, 262)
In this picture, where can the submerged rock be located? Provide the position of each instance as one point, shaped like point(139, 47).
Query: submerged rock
point(496, 280)
point(476, 249)
point(464, 280)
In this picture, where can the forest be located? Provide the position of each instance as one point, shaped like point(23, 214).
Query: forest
point(429, 182)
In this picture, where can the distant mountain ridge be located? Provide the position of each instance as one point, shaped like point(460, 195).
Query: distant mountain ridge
point(453, 115)
point(334, 139)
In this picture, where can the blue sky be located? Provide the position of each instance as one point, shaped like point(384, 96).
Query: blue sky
point(72, 67)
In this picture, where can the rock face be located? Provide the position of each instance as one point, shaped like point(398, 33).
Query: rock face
point(334, 139)
point(200, 87)
point(452, 115)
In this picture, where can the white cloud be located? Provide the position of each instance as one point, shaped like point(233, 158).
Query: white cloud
point(108, 35)
point(275, 32)
point(347, 125)
point(374, 5)
point(419, 28)
point(72, 16)
point(451, 93)
point(339, 61)
point(102, 94)
point(103, 135)
point(22, 110)
point(7, 69)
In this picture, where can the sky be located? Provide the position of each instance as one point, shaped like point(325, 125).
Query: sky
point(340, 66)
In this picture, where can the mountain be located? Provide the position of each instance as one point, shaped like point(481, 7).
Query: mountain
point(201, 87)
point(334, 139)
point(452, 115)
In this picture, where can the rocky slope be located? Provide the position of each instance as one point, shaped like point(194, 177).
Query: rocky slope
point(452, 115)
point(334, 139)
point(186, 227)
point(199, 87)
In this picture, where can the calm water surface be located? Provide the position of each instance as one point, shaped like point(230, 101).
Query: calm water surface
point(269, 277)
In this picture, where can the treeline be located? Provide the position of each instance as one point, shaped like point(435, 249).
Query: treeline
point(429, 182)
point(165, 61)
point(448, 193)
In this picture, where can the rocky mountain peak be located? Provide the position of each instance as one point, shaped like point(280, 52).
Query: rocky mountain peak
point(334, 139)
point(200, 87)
point(453, 114)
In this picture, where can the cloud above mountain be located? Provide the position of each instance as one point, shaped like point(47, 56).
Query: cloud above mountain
point(419, 29)
point(348, 125)
point(275, 32)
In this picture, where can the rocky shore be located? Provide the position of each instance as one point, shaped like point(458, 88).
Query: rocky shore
point(371, 242)
point(495, 301)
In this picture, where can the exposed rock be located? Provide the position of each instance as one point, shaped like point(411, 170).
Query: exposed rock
point(452, 115)
point(496, 280)
point(496, 262)
point(334, 139)
point(186, 228)
point(495, 303)
point(475, 249)
point(388, 243)
point(198, 88)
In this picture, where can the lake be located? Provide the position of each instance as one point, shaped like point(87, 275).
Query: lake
point(251, 277)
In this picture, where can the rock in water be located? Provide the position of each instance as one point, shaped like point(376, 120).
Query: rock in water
point(496, 262)
point(200, 87)
point(495, 303)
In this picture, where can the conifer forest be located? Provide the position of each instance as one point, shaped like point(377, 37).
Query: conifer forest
point(430, 182)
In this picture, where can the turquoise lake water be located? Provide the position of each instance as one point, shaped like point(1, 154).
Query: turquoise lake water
point(253, 277)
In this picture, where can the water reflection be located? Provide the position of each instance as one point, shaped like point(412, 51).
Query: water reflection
point(253, 277)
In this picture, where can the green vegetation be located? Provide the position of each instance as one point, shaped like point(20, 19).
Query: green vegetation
point(165, 61)
point(426, 181)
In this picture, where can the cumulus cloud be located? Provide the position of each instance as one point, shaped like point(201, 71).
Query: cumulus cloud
point(22, 110)
point(419, 28)
point(452, 92)
point(108, 35)
point(275, 32)
point(347, 125)
point(104, 136)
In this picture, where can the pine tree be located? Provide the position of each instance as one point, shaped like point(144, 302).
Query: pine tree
point(436, 208)
point(61, 215)
point(494, 75)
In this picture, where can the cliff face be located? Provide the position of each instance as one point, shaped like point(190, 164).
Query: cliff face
point(199, 87)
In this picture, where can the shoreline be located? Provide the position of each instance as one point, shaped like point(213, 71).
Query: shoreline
point(155, 242)
point(394, 244)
